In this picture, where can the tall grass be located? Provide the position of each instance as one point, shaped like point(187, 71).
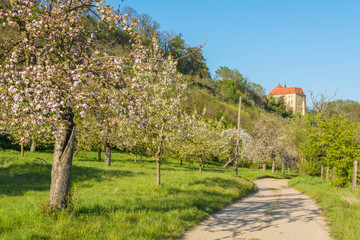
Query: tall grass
point(117, 202)
point(341, 206)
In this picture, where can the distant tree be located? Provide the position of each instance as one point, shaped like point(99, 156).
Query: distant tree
point(223, 73)
point(350, 108)
point(177, 46)
point(244, 145)
point(161, 100)
point(193, 62)
point(267, 141)
point(320, 102)
point(199, 139)
point(332, 141)
point(148, 28)
point(165, 37)
point(130, 12)
point(255, 92)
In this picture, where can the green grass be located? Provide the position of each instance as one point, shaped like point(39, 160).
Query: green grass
point(117, 202)
point(341, 206)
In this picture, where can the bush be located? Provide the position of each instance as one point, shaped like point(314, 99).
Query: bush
point(311, 168)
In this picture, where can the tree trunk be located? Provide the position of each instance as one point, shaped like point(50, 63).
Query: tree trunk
point(289, 171)
point(135, 158)
point(159, 155)
point(22, 149)
point(282, 168)
point(228, 162)
point(273, 166)
point(264, 167)
point(322, 172)
point(99, 154)
point(140, 158)
point(236, 165)
point(327, 174)
point(61, 167)
point(107, 161)
point(76, 153)
point(181, 162)
point(158, 164)
point(33, 146)
point(200, 163)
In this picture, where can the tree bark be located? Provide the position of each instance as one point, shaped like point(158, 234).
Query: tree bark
point(273, 166)
point(61, 166)
point(200, 164)
point(181, 162)
point(264, 167)
point(22, 149)
point(282, 168)
point(140, 158)
point(107, 161)
point(33, 146)
point(99, 154)
point(289, 171)
point(135, 158)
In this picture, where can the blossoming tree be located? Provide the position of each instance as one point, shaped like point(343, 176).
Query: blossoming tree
point(161, 99)
point(52, 74)
point(199, 139)
point(267, 142)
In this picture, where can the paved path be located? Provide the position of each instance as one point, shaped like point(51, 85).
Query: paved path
point(274, 212)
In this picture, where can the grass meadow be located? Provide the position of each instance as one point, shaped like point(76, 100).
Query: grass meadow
point(340, 206)
point(117, 202)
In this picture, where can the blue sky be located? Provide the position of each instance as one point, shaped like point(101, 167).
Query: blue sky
point(312, 44)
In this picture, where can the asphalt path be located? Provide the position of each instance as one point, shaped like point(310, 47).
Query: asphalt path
point(274, 212)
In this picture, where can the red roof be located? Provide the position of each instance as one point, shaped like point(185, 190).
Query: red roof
point(279, 90)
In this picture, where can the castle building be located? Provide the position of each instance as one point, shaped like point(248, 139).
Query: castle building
point(294, 98)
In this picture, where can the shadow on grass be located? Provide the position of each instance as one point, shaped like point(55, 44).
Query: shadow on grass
point(206, 199)
point(203, 201)
point(18, 178)
point(188, 206)
point(217, 182)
